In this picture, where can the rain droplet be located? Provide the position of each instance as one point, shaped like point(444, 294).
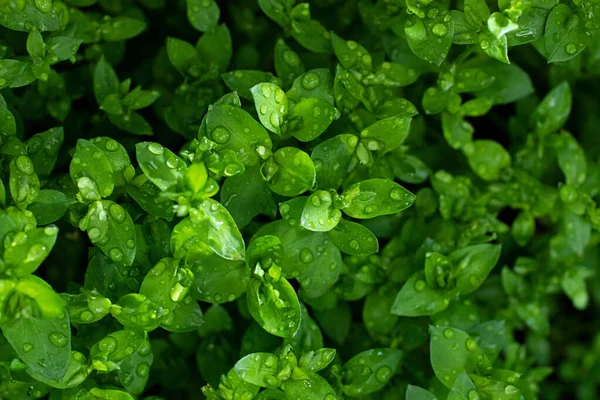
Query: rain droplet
point(448, 333)
point(275, 119)
point(24, 164)
point(115, 254)
point(310, 81)
point(397, 194)
point(220, 135)
point(51, 230)
point(111, 145)
point(354, 244)
point(142, 369)
point(291, 58)
point(44, 6)
point(156, 148)
point(306, 256)
point(94, 234)
point(471, 344)
point(571, 48)
point(266, 90)
point(27, 347)
point(86, 316)
point(383, 374)
point(264, 109)
point(58, 339)
point(352, 45)
point(117, 212)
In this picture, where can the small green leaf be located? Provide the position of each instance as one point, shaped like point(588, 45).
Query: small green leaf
point(259, 369)
point(271, 105)
point(452, 352)
point(352, 238)
point(375, 197)
point(289, 172)
point(369, 371)
point(162, 167)
point(430, 38)
point(203, 14)
point(319, 213)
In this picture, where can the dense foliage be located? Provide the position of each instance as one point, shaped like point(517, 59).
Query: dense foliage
point(276, 199)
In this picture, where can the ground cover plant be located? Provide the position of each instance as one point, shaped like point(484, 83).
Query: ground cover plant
point(278, 199)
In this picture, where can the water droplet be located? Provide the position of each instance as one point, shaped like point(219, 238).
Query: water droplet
point(511, 390)
point(484, 44)
point(275, 119)
point(117, 212)
point(156, 148)
point(370, 209)
point(220, 135)
point(471, 344)
point(172, 162)
point(556, 36)
point(448, 333)
point(397, 194)
point(111, 145)
point(142, 369)
point(44, 6)
point(420, 286)
point(86, 316)
point(316, 111)
point(115, 254)
point(51, 230)
point(279, 95)
point(310, 81)
point(291, 58)
point(265, 90)
point(354, 244)
point(571, 48)
point(58, 339)
point(352, 45)
point(306, 256)
point(264, 109)
point(27, 347)
point(383, 374)
point(24, 164)
point(94, 234)
point(473, 395)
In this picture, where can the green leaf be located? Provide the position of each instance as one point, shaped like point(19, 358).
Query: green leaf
point(352, 238)
point(312, 387)
point(430, 38)
point(147, 196)
point(309, 32)
point(24, 182)
point(233, 128)
point(352, 55)
point(417, 298)
point(370, 370)
point(108, 353)
point(136, 311)
point(43, 150)
point(386, 134)
point(278, 10)
point(274, 306)
point(457, 132)
point(43, 344)
point(49, 206)
point(319, 213)
point(309, 118)
point(160, 165)
point(375, 197)
point(259, 369)
point(216, 45)
point(477, 12)
point(289, 172)
point(121, 28)
point(203, 14)
point(87, 307)
point(241, 81)
point(333, 159)
point(106, 81)
point(510, 83)
point(134, 371)
point(271, 105)
point(553, 111)
point(452, 352)
point(314, 84)
point(35, 45)
point(499, 25)
point(27, 250)
point(29, 15)
point(487, 158)
point(167, 284)
point(565, 34)
point(62, 48)
point(131, 122)
point(110, 228)
point(288, 64)
point(417, 393)
point(247, 195)
point(474, 263)
point(495, 47)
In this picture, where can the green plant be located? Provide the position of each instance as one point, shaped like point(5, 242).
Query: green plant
point(374, 199)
